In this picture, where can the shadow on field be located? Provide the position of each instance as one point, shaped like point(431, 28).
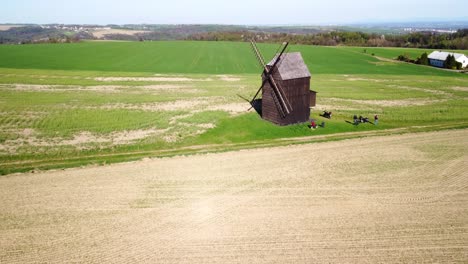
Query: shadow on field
point(256, 104)
point(357, 123)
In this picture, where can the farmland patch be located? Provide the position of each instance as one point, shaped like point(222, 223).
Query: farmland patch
point(460, 88)
point(195, 57)
point(7, 27)
point(390, 103)
point(104, 32)
point(232, 108)
point(431, 91)
point(186, 105)
point(350, 201)
point(149, 79)
point(229, 78)
point(30, 138)
point(196, 98)
point(182, 88)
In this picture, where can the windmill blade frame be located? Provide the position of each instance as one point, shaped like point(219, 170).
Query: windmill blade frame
point(278, 93)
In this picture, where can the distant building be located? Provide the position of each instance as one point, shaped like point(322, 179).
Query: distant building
point(437, 58)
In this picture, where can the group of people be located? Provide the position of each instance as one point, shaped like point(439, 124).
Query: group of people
point(313, 123)
point(327, 114)
point(362, 119)
point(357, 120)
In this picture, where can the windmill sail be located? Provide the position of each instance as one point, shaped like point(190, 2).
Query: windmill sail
point(278, 94)
point(257, 53)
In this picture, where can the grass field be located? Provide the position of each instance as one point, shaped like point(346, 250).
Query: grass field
point(199, 57)
point(73, 104)
point(392, 53)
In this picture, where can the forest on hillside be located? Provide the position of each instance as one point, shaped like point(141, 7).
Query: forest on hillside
point(295, 35)
point(430, 40)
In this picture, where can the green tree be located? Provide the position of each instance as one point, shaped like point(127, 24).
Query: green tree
point(423, 60)
point(450, 62)
point(404, 57)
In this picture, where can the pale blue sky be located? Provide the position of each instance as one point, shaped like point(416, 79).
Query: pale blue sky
point(228, 12)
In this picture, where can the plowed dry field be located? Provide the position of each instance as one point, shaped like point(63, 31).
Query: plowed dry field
point(400, 198)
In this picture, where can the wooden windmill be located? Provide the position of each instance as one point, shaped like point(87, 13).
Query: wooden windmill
point(286, 94)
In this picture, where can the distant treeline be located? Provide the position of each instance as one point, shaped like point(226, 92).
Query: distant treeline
point(35, 34)
point(430, 40)
point(294, 35)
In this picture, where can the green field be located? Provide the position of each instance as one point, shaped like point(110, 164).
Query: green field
point(392, 53)
point(66, 105)
point(199, 57)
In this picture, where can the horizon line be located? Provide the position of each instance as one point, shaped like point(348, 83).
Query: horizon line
point(460, 20)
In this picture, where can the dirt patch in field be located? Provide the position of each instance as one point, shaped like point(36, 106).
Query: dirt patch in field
point(229, 78)
point(176, 119)
point(8, 27)
point(382, 63)
point(166, 87)
point(27, 132)
point(98, 88)
point(115, 138)
point(371, 200)
point(195, 104)
point(30, 87)
point(206, 125)
point(82, 140)
point(127, 137)
point(183, 130)
point(459, 88)
point(104, 32)
point(149, 79)
point(328, 107)
point(187, 89)
point(172, 138)
point(232, 108)
point(61, 88)
point(436, 92)
point(353, 79)
point(390, 103)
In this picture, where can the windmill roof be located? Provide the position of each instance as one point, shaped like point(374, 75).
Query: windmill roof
point(442, 55)
point(291, 66)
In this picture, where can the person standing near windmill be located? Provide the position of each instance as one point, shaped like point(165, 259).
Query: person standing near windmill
point(313, 124)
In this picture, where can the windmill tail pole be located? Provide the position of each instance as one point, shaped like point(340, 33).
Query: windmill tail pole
point(256, 94)
point(259, 89)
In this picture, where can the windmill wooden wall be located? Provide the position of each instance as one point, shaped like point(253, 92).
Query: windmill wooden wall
point(293, 76)
point(297, 92)
point(313, 98)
